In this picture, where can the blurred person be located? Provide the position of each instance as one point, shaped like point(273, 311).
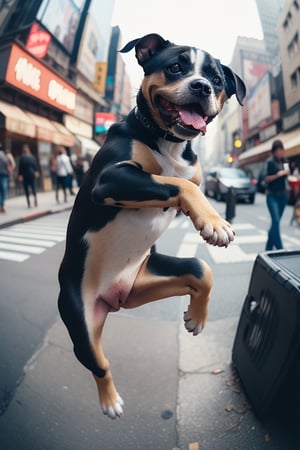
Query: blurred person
point(5, 170)
point(276, 193)
point(81, 166)
point(11, 160)
point(53, 170)
point(27, 173)
point(63, 172)
point(294, 180)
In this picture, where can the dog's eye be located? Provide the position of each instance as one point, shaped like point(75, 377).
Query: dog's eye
point(217, 80)
point(175, 68)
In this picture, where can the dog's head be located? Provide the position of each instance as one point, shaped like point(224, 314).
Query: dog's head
point(184, 87)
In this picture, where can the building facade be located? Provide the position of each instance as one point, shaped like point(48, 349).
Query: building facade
point(49, 90)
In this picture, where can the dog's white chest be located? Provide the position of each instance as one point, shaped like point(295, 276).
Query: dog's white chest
point(171, 161)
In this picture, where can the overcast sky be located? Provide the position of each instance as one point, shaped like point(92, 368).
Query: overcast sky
point(212, 25)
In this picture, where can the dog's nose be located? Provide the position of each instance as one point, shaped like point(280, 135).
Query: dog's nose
point(200, 87)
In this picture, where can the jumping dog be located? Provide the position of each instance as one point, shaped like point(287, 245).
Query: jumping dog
point(144, 173)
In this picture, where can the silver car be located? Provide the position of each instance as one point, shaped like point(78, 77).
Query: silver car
point(219, 180)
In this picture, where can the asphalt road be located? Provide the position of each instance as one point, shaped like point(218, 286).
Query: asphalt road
point(179, 391)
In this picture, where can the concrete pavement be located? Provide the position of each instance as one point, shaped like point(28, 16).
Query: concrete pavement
point(17, 210)
point(212, 412)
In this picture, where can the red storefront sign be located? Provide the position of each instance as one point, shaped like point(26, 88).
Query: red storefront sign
point(38, 41)
point(30, 76)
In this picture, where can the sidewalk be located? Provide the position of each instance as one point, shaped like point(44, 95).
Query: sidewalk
point(210, 411)
point(17, 210)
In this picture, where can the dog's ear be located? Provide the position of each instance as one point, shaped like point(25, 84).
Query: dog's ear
point(234, 84)
point(146, 47)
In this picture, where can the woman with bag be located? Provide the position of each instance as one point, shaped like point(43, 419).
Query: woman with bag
point(64, 172)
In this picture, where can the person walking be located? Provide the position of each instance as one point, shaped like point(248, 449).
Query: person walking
point(27, 173)
point(5, 170)
point(64, 171)
point(276, 193)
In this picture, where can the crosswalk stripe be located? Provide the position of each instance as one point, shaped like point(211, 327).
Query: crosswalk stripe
point(37, 242)
point(22, 248)
point(9, 256)
point(20, 233)
point(232, 254)
point(21, 241)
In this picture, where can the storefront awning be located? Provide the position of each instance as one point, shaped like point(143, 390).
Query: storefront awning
point(88, 145)
point(66, 137)
point(16, 121)
point(291, 142)
point(45, 130)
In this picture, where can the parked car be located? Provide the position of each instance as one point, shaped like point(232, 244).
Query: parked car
point(219, 180)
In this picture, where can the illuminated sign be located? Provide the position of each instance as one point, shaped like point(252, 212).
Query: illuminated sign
point(38, 41)
point(29, 75)
point(103, 121)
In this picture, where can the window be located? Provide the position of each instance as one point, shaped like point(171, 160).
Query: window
point(295, 79)
point(288, 21)
point(293, 47)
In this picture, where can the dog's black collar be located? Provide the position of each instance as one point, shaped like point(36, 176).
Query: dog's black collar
point(150, 125)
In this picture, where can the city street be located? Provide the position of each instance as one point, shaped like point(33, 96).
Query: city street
point(180, 391)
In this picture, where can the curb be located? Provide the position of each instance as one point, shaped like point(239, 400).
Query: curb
point(33, 216)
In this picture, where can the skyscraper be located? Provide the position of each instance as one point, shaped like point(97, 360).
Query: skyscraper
point(269, 11)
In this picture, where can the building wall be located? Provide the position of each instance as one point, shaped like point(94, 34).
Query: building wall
point(289, 38)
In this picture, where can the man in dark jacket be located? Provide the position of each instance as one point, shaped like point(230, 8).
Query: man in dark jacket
point(27, 173)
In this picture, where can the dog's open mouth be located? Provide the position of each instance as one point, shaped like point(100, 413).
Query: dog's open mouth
point(189, 116)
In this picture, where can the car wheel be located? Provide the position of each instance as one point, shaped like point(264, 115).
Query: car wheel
point(218, 195)
point(251, 199)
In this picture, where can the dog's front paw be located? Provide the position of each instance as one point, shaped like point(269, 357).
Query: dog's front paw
point(194, 321)
point(113, 409)
point(219, 233)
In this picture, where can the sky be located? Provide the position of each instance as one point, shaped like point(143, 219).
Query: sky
point(212, 25)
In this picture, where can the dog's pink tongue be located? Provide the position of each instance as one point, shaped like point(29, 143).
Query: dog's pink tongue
point(194, 119)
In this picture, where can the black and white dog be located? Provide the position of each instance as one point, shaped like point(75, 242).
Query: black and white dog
point(144, 173)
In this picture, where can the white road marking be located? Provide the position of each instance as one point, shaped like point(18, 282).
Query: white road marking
point(18, 233)
point(15, 240)
point(19, 242)
point(235, 252)
point(22, 248)
point(9, 256)
point(232, 254)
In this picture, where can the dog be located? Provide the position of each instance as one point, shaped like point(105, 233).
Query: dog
point(143, 174)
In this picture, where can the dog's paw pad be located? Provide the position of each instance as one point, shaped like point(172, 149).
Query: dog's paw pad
point(114, 411)
point(190, 324)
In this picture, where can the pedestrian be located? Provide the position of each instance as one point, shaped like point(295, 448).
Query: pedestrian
point(5, 170)
point(63, 172)
point(11, 160)
point(53, 170)
point(27, 173)
point(276, 193)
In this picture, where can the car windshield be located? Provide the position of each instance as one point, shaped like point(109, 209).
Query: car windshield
point(231, 172)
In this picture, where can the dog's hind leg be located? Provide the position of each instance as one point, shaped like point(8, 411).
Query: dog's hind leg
point(165, 276)
point(85, 326)
point(109, 399)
